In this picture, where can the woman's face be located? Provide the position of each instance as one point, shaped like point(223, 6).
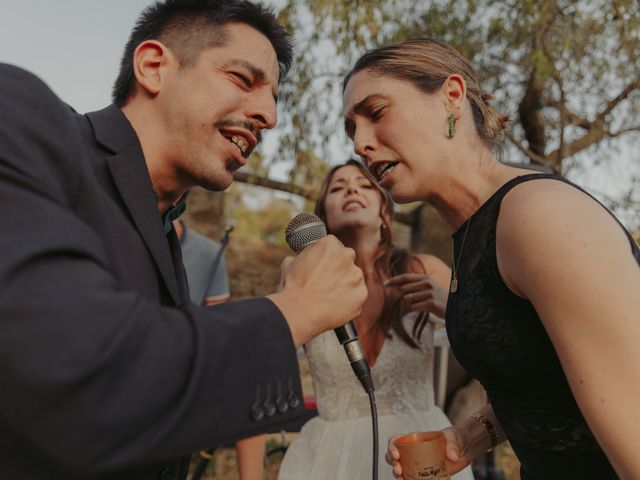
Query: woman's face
point(352, 201)
point(399, 132)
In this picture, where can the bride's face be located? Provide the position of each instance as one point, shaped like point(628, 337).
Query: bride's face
point(399, 132)
point(352, 201)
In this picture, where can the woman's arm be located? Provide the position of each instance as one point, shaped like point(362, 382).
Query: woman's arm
point(436, 269)
point(567, 255)
point(474, 436)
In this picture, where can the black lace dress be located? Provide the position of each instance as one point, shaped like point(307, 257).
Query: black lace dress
point(500, 340)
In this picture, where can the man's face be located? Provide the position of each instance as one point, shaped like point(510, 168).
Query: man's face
point(213, 112)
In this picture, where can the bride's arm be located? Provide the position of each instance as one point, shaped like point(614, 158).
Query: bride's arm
point(425, 291)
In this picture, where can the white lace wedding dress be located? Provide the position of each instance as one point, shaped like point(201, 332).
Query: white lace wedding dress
point(338, 443)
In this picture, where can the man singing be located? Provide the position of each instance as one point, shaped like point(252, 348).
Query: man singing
point(107, 370)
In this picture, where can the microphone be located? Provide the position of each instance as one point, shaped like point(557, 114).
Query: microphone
point(303, 230)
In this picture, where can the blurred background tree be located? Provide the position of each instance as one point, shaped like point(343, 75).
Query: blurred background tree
point(568, 73)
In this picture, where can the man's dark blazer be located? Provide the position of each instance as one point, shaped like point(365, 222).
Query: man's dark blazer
point(106, 369)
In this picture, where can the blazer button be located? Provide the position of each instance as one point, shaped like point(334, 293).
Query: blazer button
point(257, 413)
point(168, 473)
point(293, 400)
point(269, 407)
point(281, 404)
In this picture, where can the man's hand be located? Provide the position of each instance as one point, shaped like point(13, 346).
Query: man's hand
point(321, 289)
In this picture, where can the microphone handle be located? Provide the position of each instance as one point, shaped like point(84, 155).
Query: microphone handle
point(348, 338)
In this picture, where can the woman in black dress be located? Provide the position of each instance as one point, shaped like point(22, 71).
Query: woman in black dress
point(544, 304)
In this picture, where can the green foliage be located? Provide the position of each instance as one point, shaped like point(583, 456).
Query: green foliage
point(267, 222)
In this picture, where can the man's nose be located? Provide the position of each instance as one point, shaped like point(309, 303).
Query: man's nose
point(263, 111)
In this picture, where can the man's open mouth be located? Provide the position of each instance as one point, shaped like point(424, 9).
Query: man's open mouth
point(240, 143)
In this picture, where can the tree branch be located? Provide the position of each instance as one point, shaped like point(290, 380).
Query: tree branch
point(626, 91)
point(594, 135)
point(569, 116)
point(574, 119)
point(626, 130)
point(595, 131)
point(531, 155)
point(253, 179)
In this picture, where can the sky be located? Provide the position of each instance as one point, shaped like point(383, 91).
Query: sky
point(75, 47)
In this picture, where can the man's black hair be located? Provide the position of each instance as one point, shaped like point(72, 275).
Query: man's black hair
point(190, 26)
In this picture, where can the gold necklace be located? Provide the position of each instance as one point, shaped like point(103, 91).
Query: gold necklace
point(453, 288)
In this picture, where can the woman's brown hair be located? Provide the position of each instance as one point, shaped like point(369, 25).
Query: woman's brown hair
point(426, 64)
point(390, 260)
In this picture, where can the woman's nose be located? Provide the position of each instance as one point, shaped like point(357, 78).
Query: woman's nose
point(364, 143)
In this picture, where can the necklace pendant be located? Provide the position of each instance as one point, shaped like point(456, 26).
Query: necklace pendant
point(453, 288)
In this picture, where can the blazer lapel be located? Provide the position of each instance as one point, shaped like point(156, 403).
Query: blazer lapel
point(131, 177)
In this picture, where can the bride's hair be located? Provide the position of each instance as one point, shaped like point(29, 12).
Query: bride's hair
point(389, 261)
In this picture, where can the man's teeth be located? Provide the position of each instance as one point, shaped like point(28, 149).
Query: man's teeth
point(240, 143)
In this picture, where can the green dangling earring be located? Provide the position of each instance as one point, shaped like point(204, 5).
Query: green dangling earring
point(452, 125)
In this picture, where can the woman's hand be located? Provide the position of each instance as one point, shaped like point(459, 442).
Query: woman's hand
point(420, 292)
point(455, 449)
point(392, 457)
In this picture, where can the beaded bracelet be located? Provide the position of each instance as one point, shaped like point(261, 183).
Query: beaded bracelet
point(489, 427)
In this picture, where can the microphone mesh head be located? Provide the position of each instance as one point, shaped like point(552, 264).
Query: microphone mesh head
point(304, 229)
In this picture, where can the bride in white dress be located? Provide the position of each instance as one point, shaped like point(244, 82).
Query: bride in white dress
point(395, 333)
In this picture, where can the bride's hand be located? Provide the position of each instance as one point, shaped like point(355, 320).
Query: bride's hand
point(420, 293)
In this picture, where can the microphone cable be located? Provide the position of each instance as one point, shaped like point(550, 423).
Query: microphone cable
point(374, 421)
point(303, 230)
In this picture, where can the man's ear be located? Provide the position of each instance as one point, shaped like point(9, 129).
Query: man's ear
point(149, 61)
point(454, 90)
